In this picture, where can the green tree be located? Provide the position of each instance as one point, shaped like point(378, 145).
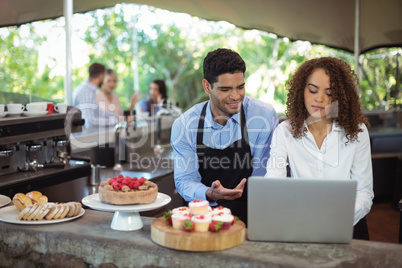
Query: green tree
point(19, 67)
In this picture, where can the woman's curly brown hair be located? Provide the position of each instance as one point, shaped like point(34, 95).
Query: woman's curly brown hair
point(343, 81)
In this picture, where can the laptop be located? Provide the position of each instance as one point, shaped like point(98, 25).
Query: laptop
point(300, 210)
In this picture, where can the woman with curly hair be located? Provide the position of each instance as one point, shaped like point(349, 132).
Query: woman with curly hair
point(325, 135)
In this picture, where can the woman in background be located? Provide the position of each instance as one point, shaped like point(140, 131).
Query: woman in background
point(157, 97)
point(325, 135)
point(108, 100)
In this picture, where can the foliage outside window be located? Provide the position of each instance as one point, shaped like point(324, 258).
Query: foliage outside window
point(173, 52)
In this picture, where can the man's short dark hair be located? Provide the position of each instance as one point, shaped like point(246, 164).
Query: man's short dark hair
point(222, 61)
point(96, 69)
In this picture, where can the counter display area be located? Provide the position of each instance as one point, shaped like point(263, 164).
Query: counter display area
point(90, 242)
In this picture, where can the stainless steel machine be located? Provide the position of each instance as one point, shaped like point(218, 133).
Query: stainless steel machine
point(35, 151)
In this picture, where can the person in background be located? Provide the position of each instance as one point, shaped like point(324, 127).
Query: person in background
point(219, 143)
point(157, 97)
point(325, 135)
point(84, 98)
point(109, 101)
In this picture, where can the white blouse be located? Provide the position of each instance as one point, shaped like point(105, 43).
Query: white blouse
point(113, 106)
point(334, 160)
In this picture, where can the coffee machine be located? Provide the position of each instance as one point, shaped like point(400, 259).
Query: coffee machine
point(35, 151)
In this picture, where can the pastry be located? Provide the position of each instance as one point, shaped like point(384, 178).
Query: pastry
point(199, 207)
point(201, 222)
point(21, 201)
point(227, 219)
point(37, 197)
point(221, 209)
point(50, 211)
point(127, 191)
point(181, 210)
point(178, 220)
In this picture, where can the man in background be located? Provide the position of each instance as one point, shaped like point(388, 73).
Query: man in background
point(85, 100)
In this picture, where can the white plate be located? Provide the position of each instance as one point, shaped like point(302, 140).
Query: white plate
point(4, 200)
point(94, 202)
point(14, 113)
point(10, 215)
point(27, 113)
point(2, 114)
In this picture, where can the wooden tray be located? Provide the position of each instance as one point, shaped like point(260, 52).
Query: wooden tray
point(164, 234)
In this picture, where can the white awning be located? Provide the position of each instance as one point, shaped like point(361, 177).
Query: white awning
point(327, 22)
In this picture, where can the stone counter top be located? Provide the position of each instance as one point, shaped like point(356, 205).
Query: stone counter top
point(90, 242)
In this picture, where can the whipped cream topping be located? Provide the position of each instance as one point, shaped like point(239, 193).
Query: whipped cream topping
point(221, 209)
point(223, 218)
point(180, 210)
point(180, 217)
point(198, 203)
point(201, 218)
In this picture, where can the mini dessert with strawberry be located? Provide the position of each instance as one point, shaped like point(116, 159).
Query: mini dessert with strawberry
point(201, 222)
point(181, 210)
point(227, 219)
point(178, 220)
point(122, 190)
point(221, 209)
point(203, 217)
point(199, 207)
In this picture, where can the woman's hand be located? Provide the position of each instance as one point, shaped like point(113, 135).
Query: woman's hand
point(134, 99)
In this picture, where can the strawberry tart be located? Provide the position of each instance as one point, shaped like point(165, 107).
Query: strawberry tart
point(122, 190)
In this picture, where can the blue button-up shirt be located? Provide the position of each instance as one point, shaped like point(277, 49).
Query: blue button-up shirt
point(261, 120)
point(94, 115)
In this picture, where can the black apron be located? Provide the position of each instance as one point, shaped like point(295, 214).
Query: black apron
point(229, 165)
point(360, 230)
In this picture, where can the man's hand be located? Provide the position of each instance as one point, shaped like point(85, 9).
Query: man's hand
point(217, 191)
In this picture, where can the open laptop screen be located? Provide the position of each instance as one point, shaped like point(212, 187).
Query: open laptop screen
point(300, 210)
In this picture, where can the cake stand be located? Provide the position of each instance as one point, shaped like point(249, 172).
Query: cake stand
point(126, 217)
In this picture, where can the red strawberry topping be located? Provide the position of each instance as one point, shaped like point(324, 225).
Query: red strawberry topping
point(136, 184)
point(235, 218)
point(188, 226)
point(126, 181)
point(117, 186)
point(168, 217)
point(215, 226)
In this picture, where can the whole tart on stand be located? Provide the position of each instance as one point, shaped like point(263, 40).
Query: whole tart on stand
point(144, 194)
point(126, 197)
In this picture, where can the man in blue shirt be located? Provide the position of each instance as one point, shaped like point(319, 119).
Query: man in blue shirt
point(221, 142)
point(84, 99)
